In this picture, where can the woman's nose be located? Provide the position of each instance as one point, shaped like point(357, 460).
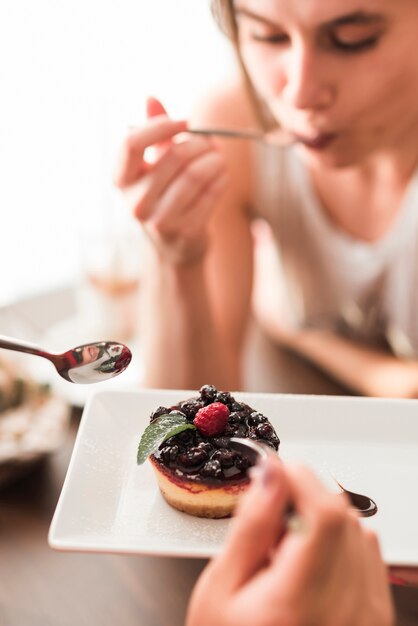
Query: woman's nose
point(306, 82)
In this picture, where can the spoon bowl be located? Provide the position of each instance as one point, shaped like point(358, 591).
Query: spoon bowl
point(88, 363)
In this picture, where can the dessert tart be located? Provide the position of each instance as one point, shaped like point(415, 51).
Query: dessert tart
point(196, 469)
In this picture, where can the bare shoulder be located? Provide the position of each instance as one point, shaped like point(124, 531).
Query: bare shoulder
point(230, 258)
point(229, 106)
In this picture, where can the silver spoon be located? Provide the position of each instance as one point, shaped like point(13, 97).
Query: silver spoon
point(89, 363)
point(256, 452)
point(275, 137)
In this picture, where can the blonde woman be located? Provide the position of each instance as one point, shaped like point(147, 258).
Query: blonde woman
point(341, 81)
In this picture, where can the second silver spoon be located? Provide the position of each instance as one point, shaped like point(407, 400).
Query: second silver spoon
point(89, 363)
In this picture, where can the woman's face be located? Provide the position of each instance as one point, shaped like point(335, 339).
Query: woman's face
point(341, 76)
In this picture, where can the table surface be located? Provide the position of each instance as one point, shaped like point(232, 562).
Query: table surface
point(41, 587)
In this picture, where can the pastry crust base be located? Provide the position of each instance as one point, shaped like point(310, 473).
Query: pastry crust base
point(201, 500)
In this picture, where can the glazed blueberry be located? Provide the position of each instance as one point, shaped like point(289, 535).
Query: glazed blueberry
point(191, 407)
point(162, 410)
point(205, 445)
point(224, 397)
point(192, 458)
point(225, 457)
point(256, 418)
point(184, 437)
point(169, 454)
point(264, 431)
point(220, 442)
point(169, 442)
point(244, 409)
point(176, 411)
point(212, 469)
point(234, 419)
point(229, 430)
point(241, 431)
point(208, 393)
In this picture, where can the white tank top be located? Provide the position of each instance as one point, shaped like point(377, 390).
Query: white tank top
point(368, 291)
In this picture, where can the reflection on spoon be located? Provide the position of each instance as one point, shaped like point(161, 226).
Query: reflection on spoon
point(89, 363)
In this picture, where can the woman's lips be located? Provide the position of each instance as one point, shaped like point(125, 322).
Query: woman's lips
point(317, 142)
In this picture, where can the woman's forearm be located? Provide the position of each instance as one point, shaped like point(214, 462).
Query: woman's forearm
point(366, 370)
point(182, 347)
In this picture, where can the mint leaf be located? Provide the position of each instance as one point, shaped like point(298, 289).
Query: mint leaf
point(162, 428)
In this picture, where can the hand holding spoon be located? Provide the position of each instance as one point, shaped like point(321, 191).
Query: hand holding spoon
point(89, 363)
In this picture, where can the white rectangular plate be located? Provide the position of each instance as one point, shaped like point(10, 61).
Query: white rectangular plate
point(109, 504)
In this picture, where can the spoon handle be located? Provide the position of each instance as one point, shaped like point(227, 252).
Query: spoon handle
point(18, 345)
point(275, 137)
point(226, 132)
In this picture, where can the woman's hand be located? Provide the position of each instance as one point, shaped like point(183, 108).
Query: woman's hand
point(324, 570)
point(174, 195)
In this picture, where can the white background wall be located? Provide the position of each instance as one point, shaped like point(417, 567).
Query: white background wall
point(73, 75)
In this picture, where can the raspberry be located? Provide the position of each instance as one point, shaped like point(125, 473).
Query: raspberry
point(212, 419)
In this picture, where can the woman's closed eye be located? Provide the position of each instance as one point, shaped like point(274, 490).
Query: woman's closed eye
point(252, 31)
point(260, 30)
point(270, 38)
point(353, 38)
point(335, 40)
point(341, 38)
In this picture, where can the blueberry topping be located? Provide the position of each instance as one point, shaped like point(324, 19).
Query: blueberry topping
point(205, 445)
point(208, 393)
point(256, 418)
point(241, 431)
point(184, 437)
point(244, 409)
point(229, 430)
point(192, 458)
point(169, 453)
point(225, 457)
point(191, 407)
point(206, 457)
point(162, 410)
point(177, 411)
point(234, 418)
point(264, 431)
point(220, 442)
point(212, 469)
point(224, 397)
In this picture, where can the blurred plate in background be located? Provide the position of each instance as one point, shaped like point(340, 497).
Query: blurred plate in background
point(50, 320)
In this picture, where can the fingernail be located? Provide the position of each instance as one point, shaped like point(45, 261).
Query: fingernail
point(264, 474)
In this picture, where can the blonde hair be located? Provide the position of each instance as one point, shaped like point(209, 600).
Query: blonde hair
point(224, 14)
